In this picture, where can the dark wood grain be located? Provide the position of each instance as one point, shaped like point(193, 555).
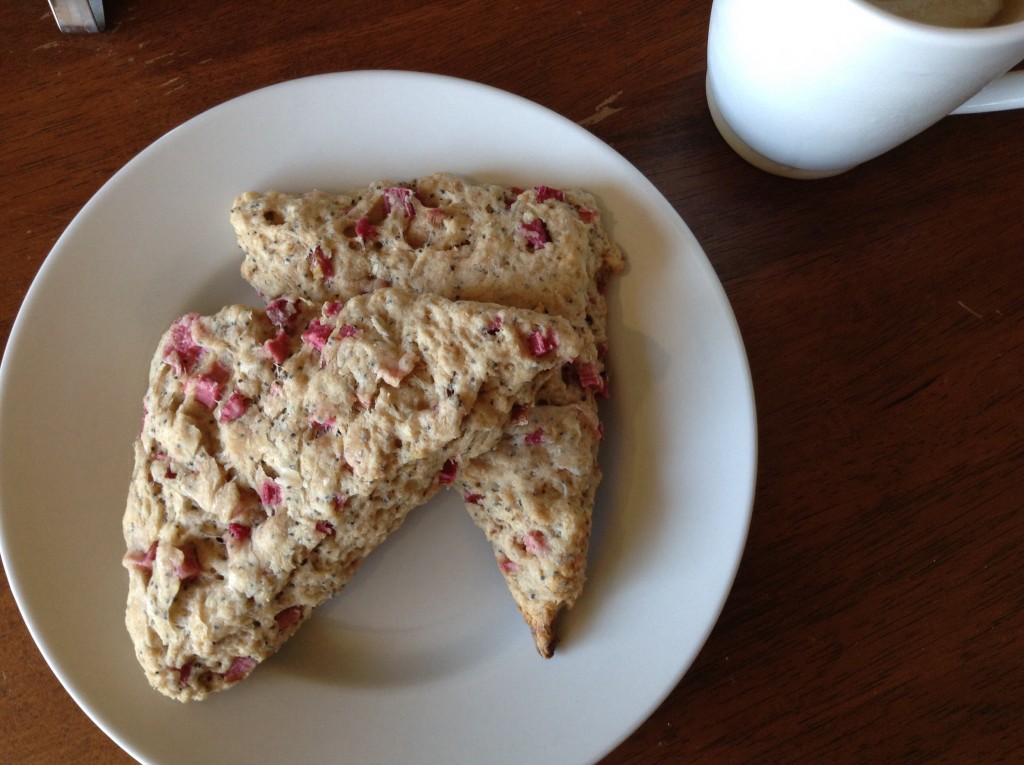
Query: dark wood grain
point(879, 609)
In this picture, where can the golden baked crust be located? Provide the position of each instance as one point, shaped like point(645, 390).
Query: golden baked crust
point(280, 447)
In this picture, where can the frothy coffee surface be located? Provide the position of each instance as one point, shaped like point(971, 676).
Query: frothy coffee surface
point(945, 13)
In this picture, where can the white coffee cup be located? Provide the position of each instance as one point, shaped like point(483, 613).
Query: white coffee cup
point(812, 88)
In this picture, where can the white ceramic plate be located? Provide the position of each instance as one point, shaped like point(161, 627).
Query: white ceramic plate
point(424, 657)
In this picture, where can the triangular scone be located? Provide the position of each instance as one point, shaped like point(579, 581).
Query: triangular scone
point(533, 495)
point(540, 248)
point(279, 448)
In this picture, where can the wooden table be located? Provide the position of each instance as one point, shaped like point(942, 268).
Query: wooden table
point(878, 614)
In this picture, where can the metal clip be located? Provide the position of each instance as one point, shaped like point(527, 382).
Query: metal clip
point(78, 15)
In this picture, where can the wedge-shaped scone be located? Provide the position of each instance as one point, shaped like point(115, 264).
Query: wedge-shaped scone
point(539, 248)
point(280, 447)
point(532, 495)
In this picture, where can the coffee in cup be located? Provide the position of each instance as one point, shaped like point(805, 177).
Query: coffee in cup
point(945, 13)
point(963, 14)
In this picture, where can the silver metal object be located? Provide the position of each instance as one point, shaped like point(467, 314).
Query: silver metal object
point(78, 15)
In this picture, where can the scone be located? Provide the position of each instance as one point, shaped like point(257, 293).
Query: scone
point(539, 248)
point(532, 495)
point(280, 447)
